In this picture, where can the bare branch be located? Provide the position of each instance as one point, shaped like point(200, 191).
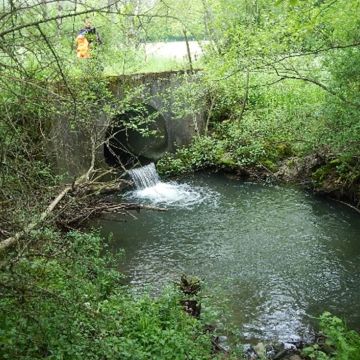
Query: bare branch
point(105, 9)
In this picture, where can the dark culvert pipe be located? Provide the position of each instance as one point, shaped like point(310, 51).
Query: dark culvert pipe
point(137, 135)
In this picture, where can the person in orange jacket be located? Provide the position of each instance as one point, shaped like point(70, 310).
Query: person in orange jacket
point(82, 47)
point(86, 37)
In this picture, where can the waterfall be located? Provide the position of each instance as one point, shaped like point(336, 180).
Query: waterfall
point(150, 188)
point(145, 176)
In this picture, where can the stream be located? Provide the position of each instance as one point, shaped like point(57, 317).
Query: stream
point(271, 257)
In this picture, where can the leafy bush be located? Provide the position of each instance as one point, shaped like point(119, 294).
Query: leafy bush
point(230, 145)
point(68, 302)
point(203, 152)
point(340, 344)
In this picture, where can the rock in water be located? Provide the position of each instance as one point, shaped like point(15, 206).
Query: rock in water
point(260, 349)
point(190, 285)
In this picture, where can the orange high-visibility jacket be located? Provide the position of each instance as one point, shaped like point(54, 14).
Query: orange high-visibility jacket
point(82, 47)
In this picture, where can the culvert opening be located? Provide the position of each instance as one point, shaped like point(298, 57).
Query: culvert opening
point(137, 135)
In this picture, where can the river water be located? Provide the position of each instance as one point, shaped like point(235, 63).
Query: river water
point(271, 257)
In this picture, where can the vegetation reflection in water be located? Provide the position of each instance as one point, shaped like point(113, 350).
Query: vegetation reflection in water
point(271, 256)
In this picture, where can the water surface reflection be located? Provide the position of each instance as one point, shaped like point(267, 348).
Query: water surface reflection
point(273, 256)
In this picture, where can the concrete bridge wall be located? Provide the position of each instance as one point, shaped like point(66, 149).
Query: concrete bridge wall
point(154, 90)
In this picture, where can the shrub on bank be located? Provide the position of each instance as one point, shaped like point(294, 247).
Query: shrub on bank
point(67, 301)
point(340, 343)
point(231, 145)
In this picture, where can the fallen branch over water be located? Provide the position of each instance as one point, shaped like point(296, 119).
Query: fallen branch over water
point(95, 208)
point(80, 201)
point(348, 205)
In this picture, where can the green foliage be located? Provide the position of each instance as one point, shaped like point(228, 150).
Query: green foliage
point(281, 80)
point(203, 152)
point(68, 302)
point(37, 113)
point(340, 344)
point(343, 171)
point(175, 16)
point(250, 142)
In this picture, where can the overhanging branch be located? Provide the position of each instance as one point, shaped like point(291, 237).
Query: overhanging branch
point(105, 9)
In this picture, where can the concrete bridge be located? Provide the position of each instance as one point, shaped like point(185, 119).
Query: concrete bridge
point(156, 116)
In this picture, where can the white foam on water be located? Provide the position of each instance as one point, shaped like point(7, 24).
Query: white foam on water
point(170, 193)
point(150, 189)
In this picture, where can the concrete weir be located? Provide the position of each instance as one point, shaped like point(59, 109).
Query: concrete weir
point(153, 117)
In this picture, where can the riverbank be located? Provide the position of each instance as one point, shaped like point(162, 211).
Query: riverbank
point(317, 173)
point(249, 242)
point(64, 285)
point(67, 300)
point(317, 170)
